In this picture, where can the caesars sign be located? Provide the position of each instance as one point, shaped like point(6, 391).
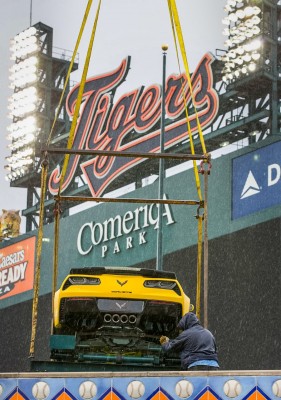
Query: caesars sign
point(131, 123)
point(17, 268)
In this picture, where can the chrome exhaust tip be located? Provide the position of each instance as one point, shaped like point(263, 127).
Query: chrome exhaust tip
point(115, 318)
point(107, 318)
point(124, 318)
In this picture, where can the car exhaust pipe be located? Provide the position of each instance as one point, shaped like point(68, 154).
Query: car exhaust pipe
point(107, 318)
point(115, 318)
point(132, 319)
point(124, 318)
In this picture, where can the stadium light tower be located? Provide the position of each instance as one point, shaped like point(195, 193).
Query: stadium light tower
point(246, 47)
point(24, 129)
point(252, 67)
point(37, 79)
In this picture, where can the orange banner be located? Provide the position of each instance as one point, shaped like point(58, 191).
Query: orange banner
point(17, 268)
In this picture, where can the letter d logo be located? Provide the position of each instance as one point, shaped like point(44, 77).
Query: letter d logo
point(274, 173)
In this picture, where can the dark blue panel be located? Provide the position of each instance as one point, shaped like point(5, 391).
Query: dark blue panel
point(256, 182)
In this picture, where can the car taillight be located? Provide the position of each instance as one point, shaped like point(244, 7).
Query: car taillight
point(81, 280)
point(160, 284)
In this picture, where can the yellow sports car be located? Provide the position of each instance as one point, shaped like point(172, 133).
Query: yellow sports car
point(116, 312)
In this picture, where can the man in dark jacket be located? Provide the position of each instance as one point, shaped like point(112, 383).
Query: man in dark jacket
point(196, 345)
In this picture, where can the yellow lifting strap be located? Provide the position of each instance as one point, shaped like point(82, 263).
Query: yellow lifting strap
point(56, 251)
point(86, 14)
point(69, 146)
point(199, 267)
point(178, 38)
point(174, 16)
point(44, 174)
point(74, 123)
point(79, 97)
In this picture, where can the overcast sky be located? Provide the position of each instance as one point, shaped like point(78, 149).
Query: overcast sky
point(126, 27)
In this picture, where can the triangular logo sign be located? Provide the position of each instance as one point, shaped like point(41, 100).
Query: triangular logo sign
point(251, 186)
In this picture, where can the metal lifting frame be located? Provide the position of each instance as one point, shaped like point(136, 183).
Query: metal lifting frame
point(185, 157)
point(205, 159)
point(201, 204)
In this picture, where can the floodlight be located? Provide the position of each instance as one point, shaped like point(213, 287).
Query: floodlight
point(240, 14)
point(240, 50)
point(233, 17)
point(224, 143)
point(252, 66)
point(256, 20)
point(246, 57)
point(228, 8)
point(248, 11)
point(256, 10)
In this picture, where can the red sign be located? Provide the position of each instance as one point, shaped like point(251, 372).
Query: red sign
point(132, 123)
point(17, 268)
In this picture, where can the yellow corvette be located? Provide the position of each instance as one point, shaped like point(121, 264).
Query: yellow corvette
point(117, 311)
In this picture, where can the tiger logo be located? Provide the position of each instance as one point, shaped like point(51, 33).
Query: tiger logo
point(10, 223)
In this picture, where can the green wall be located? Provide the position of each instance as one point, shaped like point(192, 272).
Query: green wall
point(180, 234)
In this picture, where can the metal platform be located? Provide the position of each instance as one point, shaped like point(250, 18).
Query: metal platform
point(68, 366)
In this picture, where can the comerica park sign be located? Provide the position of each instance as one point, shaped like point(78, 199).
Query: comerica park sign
point(132, 122)
point(105, 237)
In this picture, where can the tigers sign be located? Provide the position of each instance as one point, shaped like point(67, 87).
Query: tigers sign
point(132, 123)
point(17, 268)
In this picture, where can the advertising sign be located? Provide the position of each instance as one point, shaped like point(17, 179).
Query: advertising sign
point(132, 122)
point(256, 181)
point(17, 268)
point(122, 233)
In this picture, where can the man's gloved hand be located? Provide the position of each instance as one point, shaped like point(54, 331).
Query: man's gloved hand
point(164, 339)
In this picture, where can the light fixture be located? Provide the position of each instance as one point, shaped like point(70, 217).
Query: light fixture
point(240, 50)
point(247, 57)
point(233, 17)
point(255, 20)
point(228, 8)
point(256, 56)
point(240, 14)
point(256, 10)
point(239, 61)
point(224, 144)
point(252, 66)
point(248, 11)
